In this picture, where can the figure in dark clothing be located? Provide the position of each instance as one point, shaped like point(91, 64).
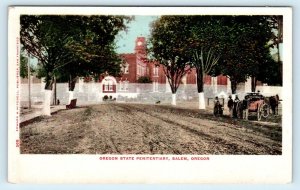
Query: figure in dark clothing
point(235, 103)
point(230, 105)
point(218, 108)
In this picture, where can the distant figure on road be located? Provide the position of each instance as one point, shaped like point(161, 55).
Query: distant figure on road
point(230, 105)
point(235, 103)
point(218, 110)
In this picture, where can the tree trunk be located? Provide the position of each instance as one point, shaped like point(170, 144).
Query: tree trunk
point(49, 83)
point(47, 100)
point(72, 83)
point(233, 86)
point(172, 84)
point(174, 99)
point(253, 84)
point(71, 96)
point(47, 95)
point(200, 88)
point(278, 52)
point(201, 101)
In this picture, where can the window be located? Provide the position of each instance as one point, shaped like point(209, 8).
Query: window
point(106, 87)
point(124, 85)
point(138, 70)
point(155, 71)
point(125, 68)
point(109, 86)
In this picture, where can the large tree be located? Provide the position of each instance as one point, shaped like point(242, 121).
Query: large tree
point(203, 47)
point(94, 49)
point(62, 44)
point(244, 48)
point(167, 47)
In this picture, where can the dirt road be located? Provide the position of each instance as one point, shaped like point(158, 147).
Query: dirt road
point(147, 129)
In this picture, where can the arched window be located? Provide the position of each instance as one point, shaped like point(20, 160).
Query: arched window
point(109, 84)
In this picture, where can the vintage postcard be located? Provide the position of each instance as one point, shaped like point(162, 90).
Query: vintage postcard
point(150, 94)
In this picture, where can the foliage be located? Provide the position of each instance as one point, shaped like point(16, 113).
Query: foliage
point(167, 47)
point(244, 47)
point(144, 79)
point(235, 46)
point(72, 45)
point(24, 67)
point(203, 45)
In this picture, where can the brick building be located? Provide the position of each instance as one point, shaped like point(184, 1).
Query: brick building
point(136, 65)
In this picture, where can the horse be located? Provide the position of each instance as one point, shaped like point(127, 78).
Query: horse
point(273, 101)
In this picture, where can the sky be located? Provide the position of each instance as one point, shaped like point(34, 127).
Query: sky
point(140, 26)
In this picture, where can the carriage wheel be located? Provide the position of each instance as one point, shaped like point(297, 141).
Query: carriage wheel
point(265, 110)
point(262, 111)
point(246, 114)
point(259, 113)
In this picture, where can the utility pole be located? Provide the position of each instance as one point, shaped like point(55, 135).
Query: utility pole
point(29, 81)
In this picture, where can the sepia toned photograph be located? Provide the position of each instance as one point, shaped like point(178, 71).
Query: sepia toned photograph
point(166, 87)
point(174, 84)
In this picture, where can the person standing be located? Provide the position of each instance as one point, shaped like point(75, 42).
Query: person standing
point(235, 103)
point(230, 105)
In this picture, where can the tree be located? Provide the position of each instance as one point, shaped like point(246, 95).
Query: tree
point(276, 23)
point(60, 43)
point(167, 47)
point(274, 77)
point(202, 46)
point(94, 49)
point(244, 48)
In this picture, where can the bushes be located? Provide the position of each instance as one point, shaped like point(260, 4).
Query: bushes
point(106, 98)
point(144, 79)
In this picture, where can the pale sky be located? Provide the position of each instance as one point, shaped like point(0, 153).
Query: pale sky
point(140, 26)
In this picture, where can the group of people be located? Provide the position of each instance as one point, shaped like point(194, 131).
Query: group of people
point(231, 104)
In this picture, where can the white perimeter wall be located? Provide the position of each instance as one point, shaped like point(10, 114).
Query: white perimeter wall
point(92, 93)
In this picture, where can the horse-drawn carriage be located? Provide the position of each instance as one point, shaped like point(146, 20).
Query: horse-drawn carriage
point(253, 103)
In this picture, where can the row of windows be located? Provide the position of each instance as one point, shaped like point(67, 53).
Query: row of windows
point(141, 71)
point(109, 88)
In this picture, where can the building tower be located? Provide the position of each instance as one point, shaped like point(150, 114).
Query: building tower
point(141, 57)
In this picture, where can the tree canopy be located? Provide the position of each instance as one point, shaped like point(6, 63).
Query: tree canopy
point(72, 46)
point(245, 50)
point(168, 48)
point(235, 46)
